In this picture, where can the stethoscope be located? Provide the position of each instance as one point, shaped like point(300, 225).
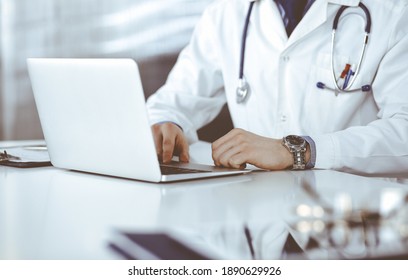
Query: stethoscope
point(243, 88)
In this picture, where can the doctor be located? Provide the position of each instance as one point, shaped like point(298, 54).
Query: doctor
point(305, 98)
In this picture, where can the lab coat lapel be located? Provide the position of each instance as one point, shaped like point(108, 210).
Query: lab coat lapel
point(269, 19)
point(316, 16)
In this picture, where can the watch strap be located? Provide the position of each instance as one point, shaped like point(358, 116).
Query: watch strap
point(297, 150)
point(299, 159)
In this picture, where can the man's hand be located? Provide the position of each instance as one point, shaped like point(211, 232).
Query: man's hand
point(239, 147)
point(170, 140)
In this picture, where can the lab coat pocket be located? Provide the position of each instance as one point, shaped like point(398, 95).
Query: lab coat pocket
point(325, 111)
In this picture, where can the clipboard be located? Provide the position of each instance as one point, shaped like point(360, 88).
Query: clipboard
point(154, 246)
point(25, 156)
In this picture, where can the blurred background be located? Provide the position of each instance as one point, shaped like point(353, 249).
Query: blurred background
point(150, 31)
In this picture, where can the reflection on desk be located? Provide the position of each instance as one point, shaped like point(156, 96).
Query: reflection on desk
point(304, 215)
point(46, 213)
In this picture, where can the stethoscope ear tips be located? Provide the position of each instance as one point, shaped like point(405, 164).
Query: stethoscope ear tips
point(320, 85)
point(366, 88)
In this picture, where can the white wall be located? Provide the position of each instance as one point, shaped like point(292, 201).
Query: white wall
point(141, 29)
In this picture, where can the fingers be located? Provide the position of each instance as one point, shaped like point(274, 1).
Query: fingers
point(239, 147)
point(168, 143)
point(233, 158)
point(226, 139)
point(158, 140)
point(231, 150)
point(170, 140)
point(182, 148)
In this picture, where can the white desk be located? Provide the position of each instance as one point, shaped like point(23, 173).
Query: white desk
point(48, 213)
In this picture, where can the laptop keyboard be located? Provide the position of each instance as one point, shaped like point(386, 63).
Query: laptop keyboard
point(170, 170)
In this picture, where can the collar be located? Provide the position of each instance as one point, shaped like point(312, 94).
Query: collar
point(351, 3)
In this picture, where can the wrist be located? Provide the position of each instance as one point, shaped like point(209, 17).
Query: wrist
point(287, 158)
point(308, 153)
point(297, 148)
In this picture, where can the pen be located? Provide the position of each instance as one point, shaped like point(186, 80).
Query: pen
point(346, 81)
point(345, 71)
point(249, 241)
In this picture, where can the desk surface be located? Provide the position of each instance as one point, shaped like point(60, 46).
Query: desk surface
point(48, 213)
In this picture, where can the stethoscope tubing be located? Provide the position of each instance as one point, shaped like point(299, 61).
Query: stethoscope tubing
point(243, 40)
point(243, 88)
point(336, 20)
point(363, 7)
point(242, 91)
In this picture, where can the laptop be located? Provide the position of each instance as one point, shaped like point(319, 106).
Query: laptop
point(94, 119)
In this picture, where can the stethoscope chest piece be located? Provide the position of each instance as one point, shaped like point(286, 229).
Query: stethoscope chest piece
point(242, 91)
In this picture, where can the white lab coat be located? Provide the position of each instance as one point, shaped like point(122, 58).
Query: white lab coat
point(361, 132)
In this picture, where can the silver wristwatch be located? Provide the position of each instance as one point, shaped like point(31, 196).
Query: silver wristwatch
point(296, 145)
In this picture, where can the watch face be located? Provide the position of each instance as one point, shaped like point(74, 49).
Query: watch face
point(295, 140)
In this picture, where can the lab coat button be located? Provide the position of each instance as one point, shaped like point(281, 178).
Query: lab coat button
point(283, 118)
point(286, 58)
